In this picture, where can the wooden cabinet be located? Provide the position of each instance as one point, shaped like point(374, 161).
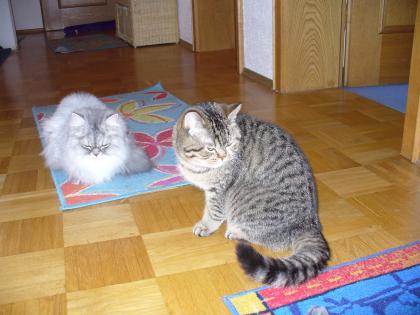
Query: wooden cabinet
point(147, 22)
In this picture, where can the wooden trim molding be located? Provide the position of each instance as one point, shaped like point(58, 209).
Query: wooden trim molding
point(76, 4)
point(411, 136)
point(193, 25)
point(276, 44)
point(30, 31)
point(240, 34)
point(343, 42)
point(397, 29)
point(257, 77)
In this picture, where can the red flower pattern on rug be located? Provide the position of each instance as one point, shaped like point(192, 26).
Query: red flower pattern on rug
point(154, 145)
point(150, 128)
point(167, 169)
point(73, 194)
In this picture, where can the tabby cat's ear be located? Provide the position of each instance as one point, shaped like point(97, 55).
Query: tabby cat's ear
point(193, 120)
point(235, 110)
point(76, 120)
point(232, 110)
point(113, 120)
point(195, 126)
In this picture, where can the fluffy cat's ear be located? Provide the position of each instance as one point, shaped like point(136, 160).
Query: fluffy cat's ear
point(76, 120)
point(231, 110)
point(113, 120)
point(194, 124)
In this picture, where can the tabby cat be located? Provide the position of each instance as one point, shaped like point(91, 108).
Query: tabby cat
point(256, 178)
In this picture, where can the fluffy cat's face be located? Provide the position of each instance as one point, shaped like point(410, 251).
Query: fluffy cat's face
point(95, 138)
point(210, 137)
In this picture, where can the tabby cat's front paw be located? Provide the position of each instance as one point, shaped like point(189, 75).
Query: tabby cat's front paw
point(200, 229)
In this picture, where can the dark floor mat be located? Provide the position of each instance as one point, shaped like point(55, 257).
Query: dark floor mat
point(84, 29)
point(85, 43)
point(4, 53)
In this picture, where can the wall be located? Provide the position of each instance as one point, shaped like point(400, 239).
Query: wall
point(7, 28)
point(27, 14)
point(258, 36)
point(185, 20)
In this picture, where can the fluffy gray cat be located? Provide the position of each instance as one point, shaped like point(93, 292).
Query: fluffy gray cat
point(256, 178)
point(90, 142)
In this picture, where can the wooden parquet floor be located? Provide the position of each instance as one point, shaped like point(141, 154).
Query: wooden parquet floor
point(139, 256)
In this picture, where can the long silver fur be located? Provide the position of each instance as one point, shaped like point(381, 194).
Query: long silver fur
point(90, 142)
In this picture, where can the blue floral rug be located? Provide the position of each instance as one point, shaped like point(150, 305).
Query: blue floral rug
point(150, 116)
point(387, 283)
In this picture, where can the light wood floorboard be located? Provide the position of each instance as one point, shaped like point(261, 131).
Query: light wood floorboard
point(139, 255)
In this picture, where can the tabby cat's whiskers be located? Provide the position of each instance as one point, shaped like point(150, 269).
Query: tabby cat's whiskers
point(256, 178)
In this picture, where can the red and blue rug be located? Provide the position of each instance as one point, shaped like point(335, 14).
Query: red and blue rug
point(150, 116)
point(384, 283)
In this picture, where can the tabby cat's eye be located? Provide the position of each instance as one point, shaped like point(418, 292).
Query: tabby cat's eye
point(233, 146)
point(103, 147)
point(211, 149)
point(87, 147)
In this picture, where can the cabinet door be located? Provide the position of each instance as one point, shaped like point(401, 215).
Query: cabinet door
point(123, 22)
point(307, 45)
point(213, 24)
point(380, 39)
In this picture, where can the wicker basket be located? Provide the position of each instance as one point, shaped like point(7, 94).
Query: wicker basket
point(147, 22)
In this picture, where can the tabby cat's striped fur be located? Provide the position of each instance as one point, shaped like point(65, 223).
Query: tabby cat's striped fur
point(256, 179)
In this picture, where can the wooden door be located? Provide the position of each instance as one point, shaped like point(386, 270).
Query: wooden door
point(307, 44)
point(213, 24)
point(61, 13)
point(379, 41)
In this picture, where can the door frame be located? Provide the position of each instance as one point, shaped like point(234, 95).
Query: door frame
point(410, 148)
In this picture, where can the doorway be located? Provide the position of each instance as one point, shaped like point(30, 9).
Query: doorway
point(379, 40)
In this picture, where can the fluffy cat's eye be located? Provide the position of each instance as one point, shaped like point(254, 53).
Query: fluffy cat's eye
point(211, 149)
point(97, 138)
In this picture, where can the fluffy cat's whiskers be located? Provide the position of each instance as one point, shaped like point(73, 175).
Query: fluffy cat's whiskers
point(90, 142)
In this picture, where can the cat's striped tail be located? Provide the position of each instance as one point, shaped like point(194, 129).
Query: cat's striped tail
point(310, 255)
